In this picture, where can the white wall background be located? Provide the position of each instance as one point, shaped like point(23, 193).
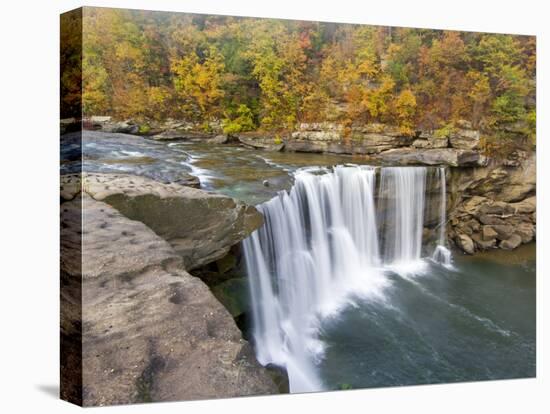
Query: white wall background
point(29, 206)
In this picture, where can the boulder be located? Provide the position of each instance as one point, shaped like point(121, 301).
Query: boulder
point(483, 244)
point(466, 139)
point(218, 139)
point(499, 208)
point(504, 231)
point(526, 231)
point(124, 127)
point(511, 243)
point(150, 331)
point(472, 204)
point(465, 243)
point(262, 142)
point(488, 233)
point(200, 226)
point(490, 219)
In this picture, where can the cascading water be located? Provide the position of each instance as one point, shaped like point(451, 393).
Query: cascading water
point(402, 196)
point(441, 254)
point(333, 236)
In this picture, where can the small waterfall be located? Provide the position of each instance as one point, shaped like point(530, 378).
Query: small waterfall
point(441, 253)
point(402, 195)
point(335, 234)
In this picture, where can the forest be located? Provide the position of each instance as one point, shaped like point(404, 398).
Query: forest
point(267, 74)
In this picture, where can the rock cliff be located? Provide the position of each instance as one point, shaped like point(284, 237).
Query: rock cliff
point(149, 330)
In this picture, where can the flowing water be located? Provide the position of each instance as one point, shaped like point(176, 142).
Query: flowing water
point(346, 290)
point(343, 294)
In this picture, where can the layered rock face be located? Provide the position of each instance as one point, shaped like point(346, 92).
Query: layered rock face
point(492, 203)
point(151, 331)
point(388, 144)
point(493, 207)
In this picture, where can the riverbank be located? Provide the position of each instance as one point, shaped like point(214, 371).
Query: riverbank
point(483, 192)
point(136, 326)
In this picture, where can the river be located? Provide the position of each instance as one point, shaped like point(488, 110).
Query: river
point(469, 321)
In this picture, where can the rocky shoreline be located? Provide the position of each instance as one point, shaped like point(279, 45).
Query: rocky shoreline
point(150, 331)
point(511, 179)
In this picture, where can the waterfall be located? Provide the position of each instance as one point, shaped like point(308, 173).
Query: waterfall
point(333, 236)
point(441, 253)
point(402, 197)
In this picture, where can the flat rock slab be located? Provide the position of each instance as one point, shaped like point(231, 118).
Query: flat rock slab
point(434, 156)
point(200, 226)
point(151, 331)
point(261, 142)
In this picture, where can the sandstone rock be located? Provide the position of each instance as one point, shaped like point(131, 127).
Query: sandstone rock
point(367, 139)
point(526, 206)
point(496, 208)
point(511, 243)
point(330, 135)
point(151, 331)
point(490, 219)
point(181, 134)
point(262, 142)
point(464, 124)
point(320, 126)
point(504, 231)
point(466, 139)
point(430, 141)
point(483, 244)
point(488, 233)
point(521, 182)
point(100, 119)
point(218, 139)
point(472, 205)
point(443, 156)
point(421, 143)
point(526, 231)
point(468, 227)
point(200, 226)
point(465, 243)
point(125, 127)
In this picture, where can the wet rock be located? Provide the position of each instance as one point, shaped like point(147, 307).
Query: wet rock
point(234, 295)
point(511, 243)
point(465, 243)
point(151, 331)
